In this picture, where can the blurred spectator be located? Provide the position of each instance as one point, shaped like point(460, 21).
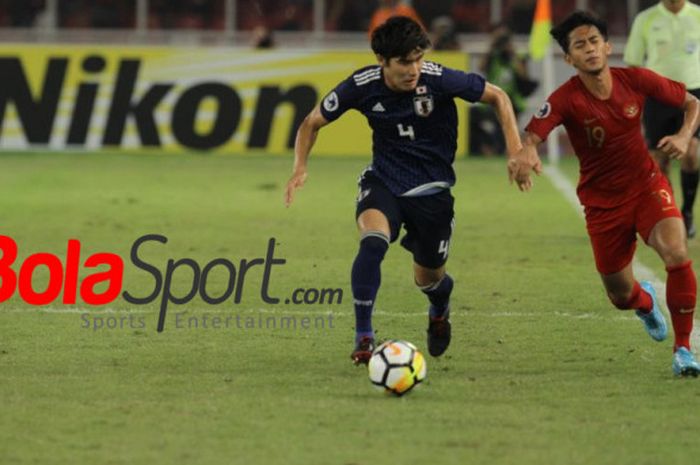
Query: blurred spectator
point(348, 15)
point(296, 16)
point(503, 67)
point(15, 13)
point(615, 14)
point(96, 13)
point(470, 16)
point(389, 8)
point(520, 15)
point(289, 15)
point(262, 38)
point(74, 14)
point(186, 14)
point(428, 10)
point(444, 35)
point(105, 14)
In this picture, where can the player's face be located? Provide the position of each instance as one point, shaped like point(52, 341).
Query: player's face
point(674, 5)
point(588, 50)
point(401, 73)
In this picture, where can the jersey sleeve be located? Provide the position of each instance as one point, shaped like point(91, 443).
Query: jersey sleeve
point(635, 49)
point(467, 86)
point(664, 90)
point(549, 116)
point(339, 100)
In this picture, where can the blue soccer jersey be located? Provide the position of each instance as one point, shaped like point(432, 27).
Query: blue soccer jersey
point(414, 134)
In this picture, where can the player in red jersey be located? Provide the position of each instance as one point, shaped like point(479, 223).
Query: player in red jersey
point(621, 188)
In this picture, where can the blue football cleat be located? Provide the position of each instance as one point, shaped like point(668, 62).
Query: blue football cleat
point(654, 321)
point(684, 363)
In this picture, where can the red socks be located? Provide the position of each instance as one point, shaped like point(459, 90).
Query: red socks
point(639, 300)
point(681, 292)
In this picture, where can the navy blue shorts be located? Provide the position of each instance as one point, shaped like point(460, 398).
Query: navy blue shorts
point(661, 120)
point(428, 220)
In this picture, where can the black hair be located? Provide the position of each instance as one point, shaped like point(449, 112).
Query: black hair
point(398, 37)
point(574, 20)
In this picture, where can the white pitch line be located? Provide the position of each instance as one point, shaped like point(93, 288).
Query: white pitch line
point(299, 313)
point(563, 185)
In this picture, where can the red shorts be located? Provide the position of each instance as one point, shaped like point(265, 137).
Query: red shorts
point(613, 231)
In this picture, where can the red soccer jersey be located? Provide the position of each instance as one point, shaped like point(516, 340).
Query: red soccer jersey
point(615, 164)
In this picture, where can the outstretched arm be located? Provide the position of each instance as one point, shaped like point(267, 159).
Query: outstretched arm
point(499, 100)
point(676, 145)
point(306, 137)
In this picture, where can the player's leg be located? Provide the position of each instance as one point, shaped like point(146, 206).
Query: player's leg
point(366, 278)
point(661, 226)
point(626, 293)
point(668, 239)
point(689, 185)
point(613, 238)
point(690, 176)
point(437, 285)
point(377, 222)
point(429, 224)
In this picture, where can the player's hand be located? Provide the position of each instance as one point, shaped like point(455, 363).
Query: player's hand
point(295, 182)
point(519, 171)
point(521, 164)
point(675, 146)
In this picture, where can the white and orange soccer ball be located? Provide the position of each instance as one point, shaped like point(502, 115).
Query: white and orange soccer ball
point(396, 366)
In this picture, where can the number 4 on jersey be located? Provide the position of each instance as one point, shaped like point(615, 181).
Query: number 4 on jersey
point(406, 132)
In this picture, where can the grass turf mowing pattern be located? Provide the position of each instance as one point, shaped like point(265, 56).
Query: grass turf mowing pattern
point(541, 369)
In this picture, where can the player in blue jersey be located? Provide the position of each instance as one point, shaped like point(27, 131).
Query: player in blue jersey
point(409, 104)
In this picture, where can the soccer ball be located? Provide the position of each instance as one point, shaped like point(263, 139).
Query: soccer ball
point(396, 367)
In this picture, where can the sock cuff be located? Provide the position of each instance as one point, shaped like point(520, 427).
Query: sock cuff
point(682, 266)
point(435, 285)
point(376, 234)
point(633, 298)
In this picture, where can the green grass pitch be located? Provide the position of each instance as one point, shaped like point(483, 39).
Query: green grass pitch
point(542, 369)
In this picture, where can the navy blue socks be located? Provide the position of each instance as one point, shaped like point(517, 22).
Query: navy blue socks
point(366, 277)
point(439, 296)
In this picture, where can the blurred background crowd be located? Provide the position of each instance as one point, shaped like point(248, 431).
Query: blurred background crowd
point(493, 33)
point(464, 16)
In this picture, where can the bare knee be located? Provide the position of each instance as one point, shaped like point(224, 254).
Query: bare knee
point(669, 241)
point(427, 276)
point(674, 253)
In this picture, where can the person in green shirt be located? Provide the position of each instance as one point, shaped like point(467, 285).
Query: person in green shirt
point(502, 65)
point(666, 39)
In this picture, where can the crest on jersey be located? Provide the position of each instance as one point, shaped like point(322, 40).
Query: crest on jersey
point(544, 111)
point(631, 110)
point(330, 103)
point(423, 105)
